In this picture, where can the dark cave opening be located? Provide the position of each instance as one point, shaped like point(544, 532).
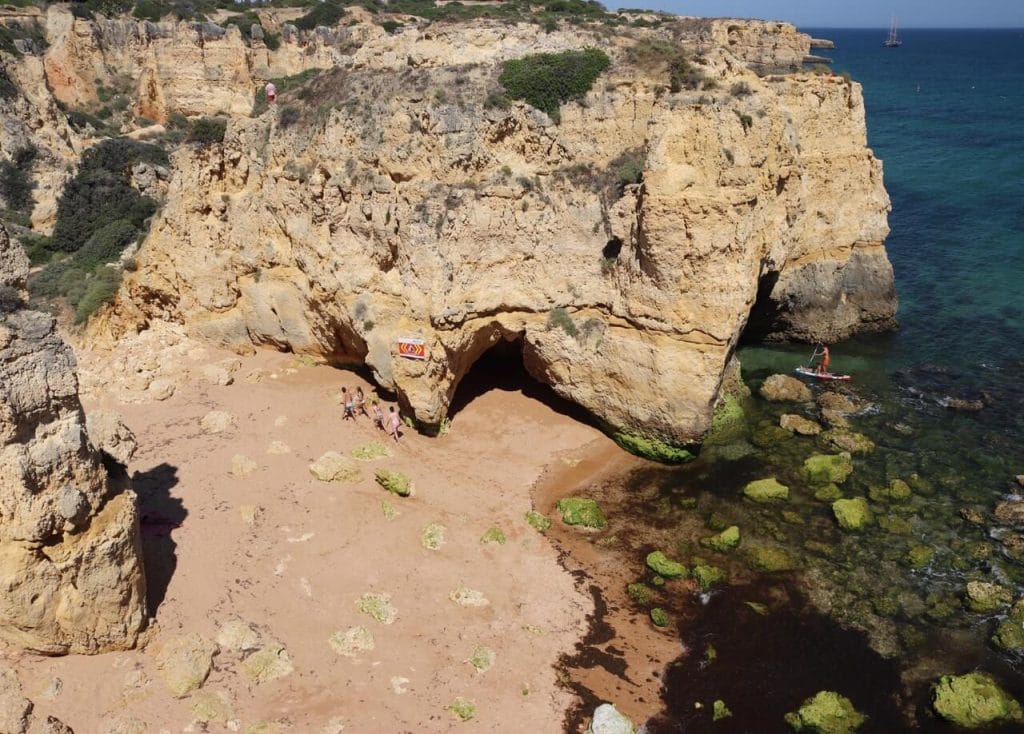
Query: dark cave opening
point(612, 248)
point(765, 316)
point(503, 367)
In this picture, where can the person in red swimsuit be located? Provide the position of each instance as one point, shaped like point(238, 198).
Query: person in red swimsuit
point(823, 364)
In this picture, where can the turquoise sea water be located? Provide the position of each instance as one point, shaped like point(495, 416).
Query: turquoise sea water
point(946, 115)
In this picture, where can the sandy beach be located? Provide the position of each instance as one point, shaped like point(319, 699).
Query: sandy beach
point(253, 559)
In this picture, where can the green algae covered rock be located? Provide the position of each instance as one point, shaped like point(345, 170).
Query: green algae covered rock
point(707, 576)
point(581, 511)
point(728, 422)
point(829, 493)
point(394, 482)
point(852, 514)
point(725, 541)
point(770, 435)
point(826, 712)
point(640, 593)
point(652, 448)
point(1009, 635)
point(766, 491)
point(985, 598)
point(920, 556)
point(462, 709)
point(769, 558)
point(664, 566)
point(842, 439)
point(719, 710)
point(537, 521)
point(660, 617)
point(973, 700)
point(493, 535)
point(895, 525)
point(897, 491)
point(823, 468)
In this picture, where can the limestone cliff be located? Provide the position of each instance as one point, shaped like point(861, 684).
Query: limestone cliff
point(627, 248)
point(70, 566)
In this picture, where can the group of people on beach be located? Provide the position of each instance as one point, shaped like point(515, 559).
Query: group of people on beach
point(355, 402)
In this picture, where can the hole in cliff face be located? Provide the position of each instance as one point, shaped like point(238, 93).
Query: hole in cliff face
point(765, 318)
point(502, 368)
point(613, 248)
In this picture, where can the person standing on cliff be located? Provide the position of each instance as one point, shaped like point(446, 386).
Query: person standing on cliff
point(271, 91)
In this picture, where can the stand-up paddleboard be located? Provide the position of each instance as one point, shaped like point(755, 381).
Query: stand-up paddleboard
point(811, 372)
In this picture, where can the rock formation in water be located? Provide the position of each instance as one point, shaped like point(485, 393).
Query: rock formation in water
point(626, 247)
point(71, 575)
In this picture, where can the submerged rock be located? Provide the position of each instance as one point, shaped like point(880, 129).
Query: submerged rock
point(664, 566)
point(799, 424)
point(779, 388)
point(836, 468)
point(770, 435)
point(828, 493)
point(723, 542)
point(766, 490)
point(852, 514)
point(843, 439)
point(1010, 512)
point(836, 402)
point(984, 597)
point(608, 720)
point(581, 511)
point(1009, 635)
point(826, 712)
point(769, 558)
point(707, 576)
point(920, 556)
point(719, 710)
point(974, 700)
point(897, 491)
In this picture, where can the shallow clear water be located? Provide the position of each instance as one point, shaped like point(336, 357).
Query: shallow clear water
point(946, 115)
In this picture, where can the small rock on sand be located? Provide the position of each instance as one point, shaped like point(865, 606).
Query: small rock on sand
point(270, 663)
point(238, 636)
point(333, 467)
point(279, 447)
point(242, 466)
point(466, 597)
point(184, 663)
point(352, 641)
point(218, 421)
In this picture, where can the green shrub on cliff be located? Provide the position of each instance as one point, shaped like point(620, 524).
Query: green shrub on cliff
point(546, 81)
point(207, 130)
point(100, 193)
point(16, 180)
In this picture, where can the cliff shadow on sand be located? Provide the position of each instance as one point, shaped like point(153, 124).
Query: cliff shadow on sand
point(160, 514)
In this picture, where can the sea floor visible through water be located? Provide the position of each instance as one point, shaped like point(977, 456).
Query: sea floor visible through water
point(877, 615)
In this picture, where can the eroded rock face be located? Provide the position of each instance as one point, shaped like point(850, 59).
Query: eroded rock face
point(70, 567)
point(402, 206)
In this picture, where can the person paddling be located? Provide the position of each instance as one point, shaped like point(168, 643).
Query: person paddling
point(825, 359)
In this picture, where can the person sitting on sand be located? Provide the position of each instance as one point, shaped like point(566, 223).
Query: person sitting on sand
point(360, 402)
point(378, 416)
point(394, 421)
point(348, 403)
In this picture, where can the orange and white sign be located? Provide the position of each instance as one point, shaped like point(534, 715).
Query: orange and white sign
point(412, 348)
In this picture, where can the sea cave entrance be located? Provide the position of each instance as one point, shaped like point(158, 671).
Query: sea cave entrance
point(765, 318)
point(502, 367)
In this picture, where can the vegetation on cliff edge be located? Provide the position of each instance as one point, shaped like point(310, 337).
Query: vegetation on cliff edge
point(547, 81)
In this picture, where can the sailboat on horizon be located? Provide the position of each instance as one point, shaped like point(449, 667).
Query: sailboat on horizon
point(893, 41)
